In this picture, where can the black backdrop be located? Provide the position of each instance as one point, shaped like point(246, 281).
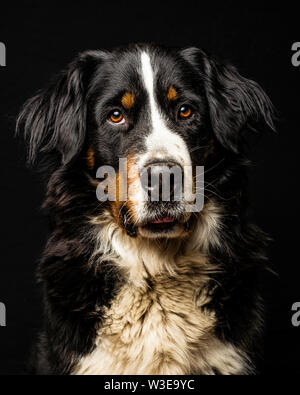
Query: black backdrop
point(42, 37)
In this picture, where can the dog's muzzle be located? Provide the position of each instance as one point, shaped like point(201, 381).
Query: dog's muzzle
point(162, 181)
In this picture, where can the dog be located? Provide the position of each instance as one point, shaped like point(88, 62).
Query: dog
point(134, 286)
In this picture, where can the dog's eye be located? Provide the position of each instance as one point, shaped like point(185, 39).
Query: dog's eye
point(116, 116)
point(185, 112)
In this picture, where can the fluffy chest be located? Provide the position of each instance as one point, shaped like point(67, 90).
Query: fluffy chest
point(159, 322)
point(163, 329)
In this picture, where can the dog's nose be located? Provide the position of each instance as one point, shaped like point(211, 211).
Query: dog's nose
point(163, 181)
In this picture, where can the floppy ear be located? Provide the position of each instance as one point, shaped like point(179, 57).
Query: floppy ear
point(55, 119)
point(235, 103)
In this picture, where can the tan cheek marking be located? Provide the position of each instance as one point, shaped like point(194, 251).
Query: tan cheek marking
point(133, 182)
point(172, 94)
point(91, 158)
point(117, 205)
point(128, 100)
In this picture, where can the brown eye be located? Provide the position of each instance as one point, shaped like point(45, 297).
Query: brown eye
point(116, 116)
point(185, 112)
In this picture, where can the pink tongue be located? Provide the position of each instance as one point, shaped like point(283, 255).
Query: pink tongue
point(165, 220)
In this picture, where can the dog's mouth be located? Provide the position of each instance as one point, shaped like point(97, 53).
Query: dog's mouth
point(162, 224)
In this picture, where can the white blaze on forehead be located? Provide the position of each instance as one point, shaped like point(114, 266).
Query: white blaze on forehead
point(161, 142)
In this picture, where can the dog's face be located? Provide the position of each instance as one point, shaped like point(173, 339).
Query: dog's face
point(163, 111)
point(149, 108)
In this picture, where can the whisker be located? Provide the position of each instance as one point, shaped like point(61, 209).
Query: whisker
point(199, 147)
point(211, 168)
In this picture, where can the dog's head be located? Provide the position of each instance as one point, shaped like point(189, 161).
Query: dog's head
point(165, 111)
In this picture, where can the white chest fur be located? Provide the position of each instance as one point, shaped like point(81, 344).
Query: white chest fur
point(158, 323)
point(162, 328)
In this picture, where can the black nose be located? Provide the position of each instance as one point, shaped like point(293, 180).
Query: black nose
point(163, 181)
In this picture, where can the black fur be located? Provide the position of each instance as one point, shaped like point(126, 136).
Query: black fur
point(64, 120)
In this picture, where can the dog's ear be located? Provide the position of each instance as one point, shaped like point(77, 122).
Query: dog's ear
point(55, 119)
point(235, 103)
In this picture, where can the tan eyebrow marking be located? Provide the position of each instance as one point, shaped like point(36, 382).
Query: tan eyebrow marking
point(172, 94)
point(91, 158)
point(128, 100)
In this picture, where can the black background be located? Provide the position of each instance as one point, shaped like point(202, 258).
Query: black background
point(42, 37)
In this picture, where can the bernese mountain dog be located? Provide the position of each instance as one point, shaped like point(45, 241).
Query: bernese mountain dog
point(134, 285)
